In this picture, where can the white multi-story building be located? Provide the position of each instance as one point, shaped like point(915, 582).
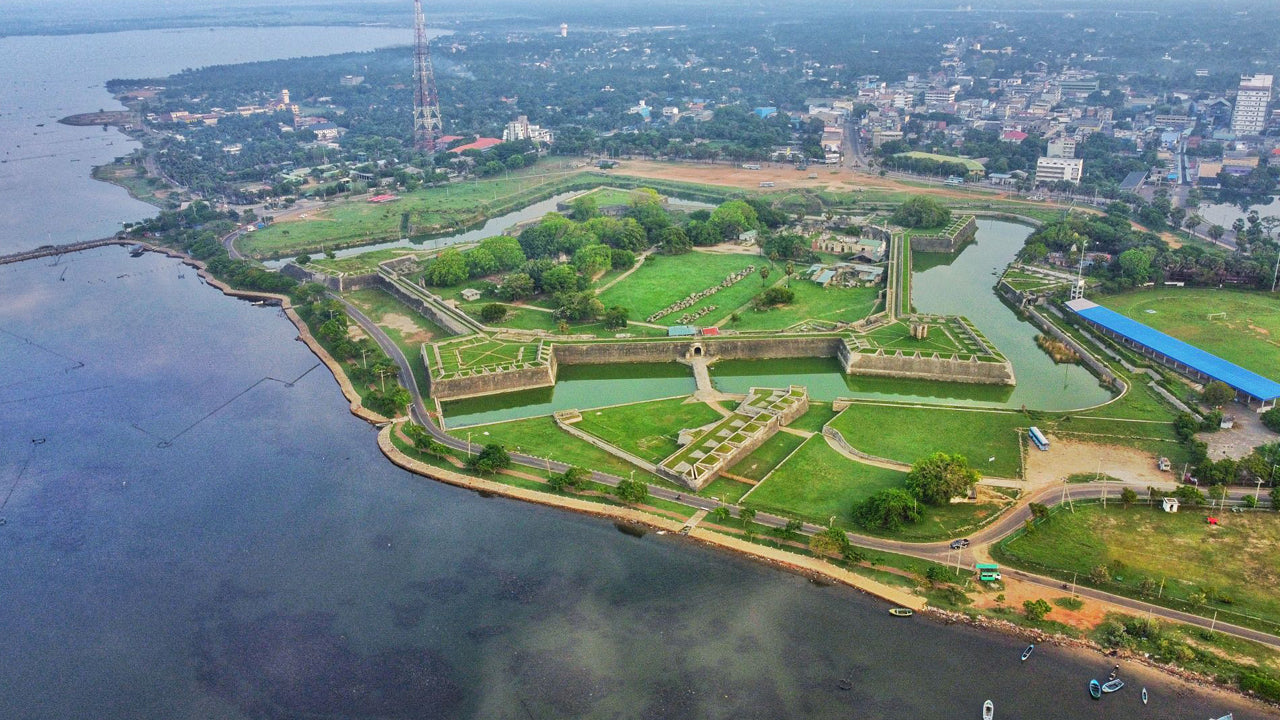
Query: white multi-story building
point(1052, 169)
point(1063, 147)
point(520, 129)
point(1250, 116)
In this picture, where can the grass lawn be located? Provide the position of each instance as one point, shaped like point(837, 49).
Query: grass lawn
point(358, 264)
point(813, 302)
point(765, 458)
point(817, 483)
point(540, 437)
point(970, 164)
point(819, 414)
point(429, 210)
point(477, 352)
point(1249, 336)
point(906, 434)
point(726, 489)
point(1239, 559)
point(649, 429)
point(663, 280)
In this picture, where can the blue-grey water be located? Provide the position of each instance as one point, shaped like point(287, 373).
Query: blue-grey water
point(195, 527)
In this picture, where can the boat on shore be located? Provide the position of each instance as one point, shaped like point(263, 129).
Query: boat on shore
point(901, 612)
point(1027, 653)
point(1112, 685)
point(988, 710)
point(1095, 689)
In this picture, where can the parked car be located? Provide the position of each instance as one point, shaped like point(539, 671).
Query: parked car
point(960, 544)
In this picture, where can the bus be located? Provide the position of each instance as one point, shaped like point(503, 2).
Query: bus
point(1038, 439)
point(751, 166)
point(987, 572)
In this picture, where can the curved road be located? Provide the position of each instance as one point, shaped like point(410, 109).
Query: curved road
point(935, 551)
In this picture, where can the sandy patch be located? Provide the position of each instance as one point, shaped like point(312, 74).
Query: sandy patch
point(1090, 614)
point(409, 330)
point(355, 332)
point(1068, 457)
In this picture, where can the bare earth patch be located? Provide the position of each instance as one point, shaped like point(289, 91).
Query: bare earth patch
point(1069, 457)
point(409, 330)
point(1090, 614)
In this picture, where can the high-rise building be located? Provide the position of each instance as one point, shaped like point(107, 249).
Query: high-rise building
point(564, 29)
point(1250, 116)
point(1063, 147)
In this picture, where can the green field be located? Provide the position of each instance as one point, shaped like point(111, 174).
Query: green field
point(1249, 336)
point(358, 264)
point(907, 433)
point(766, 457)
point(819, 414)
point(817, 483)
point(897, 336)
point(813, 302)
point(540, 437)
point(663, 280)
point(972, 165)
point(430, 210)
point(649, 429)
point(1237, 560)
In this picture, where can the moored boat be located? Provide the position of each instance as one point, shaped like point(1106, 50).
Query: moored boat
point(1112, 685)
point(988, 710)
point(901, 612)
point(1144, 696)
point(1095, 689)
point(1027, 653)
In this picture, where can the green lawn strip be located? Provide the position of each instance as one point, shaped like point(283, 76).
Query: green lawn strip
point(908, 433)
point(540, 437)
point(819, 414)
point(1236, 561)
point(816, 483)
point(812, 302)
point(664, 280)
point(765, 458)
point(1248, 336)
point(647, 430)
point(364, 263)
point(726, 490)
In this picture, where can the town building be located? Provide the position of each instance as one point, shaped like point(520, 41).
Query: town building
point(521, 129)
point(1250, 114)
point(1051, 169)
point(1063, 147)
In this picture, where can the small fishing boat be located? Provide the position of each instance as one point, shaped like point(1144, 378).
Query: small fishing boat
point(901, 612)
point(1144, 696)
point(1095, 689)
point(1112, 685)
point(1228, 716)
point(988, 710)
point(1027, 653)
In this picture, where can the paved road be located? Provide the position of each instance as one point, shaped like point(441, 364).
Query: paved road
point(936, 551)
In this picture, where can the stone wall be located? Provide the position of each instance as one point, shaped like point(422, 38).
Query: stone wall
point(946, 243)
point(456, 388)
point(723, 348)
point(431, 312)
point(928, 367)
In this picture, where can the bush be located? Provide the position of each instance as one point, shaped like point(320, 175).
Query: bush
point(1069, 603)
point(775, 296)
point(493, 312)
point(1035, 610)
point(920, 211)
point(1271, 419)
point(491, 459)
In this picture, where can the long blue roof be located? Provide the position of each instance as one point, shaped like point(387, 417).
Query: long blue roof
point(1193, 357)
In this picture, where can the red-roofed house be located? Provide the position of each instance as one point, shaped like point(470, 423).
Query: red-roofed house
point(1013, 136)
point(481, 144)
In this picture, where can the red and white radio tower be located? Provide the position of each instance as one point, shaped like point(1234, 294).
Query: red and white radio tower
point(427, 126)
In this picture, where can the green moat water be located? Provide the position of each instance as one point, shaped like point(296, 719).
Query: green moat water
point(941, 284)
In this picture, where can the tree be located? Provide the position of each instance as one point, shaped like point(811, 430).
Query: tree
point(592, 259)
point(1035, 610)
point(449, 268)
point(303, 259)
point(831, 541)
point(1217, 393)
point(764, 274)
point(1189, 495)
point(774, 296)
point(493, 312)
point(561, 278)
point(584, 208)
point(490, 459)
point(921, 211)
point(721, 514)
point(1271, 419)
point(733, 218)
point(571, 479)
point(516, 286)
point(792, 529)
point(1039, 511)
point(1128, 496)
point(480, 262)
point(505, 251)
point(615, 318)
point(1216, 232)
point(674, 241)
point(1135, 263)
point(631, 491)
point(936, 479)
point(423, 442)
point(887, 509)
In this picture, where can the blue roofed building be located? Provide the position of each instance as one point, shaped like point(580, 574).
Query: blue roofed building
point(682, 331)
point(1251, 388)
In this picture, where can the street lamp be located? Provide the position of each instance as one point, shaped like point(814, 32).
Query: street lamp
point(468, 443)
